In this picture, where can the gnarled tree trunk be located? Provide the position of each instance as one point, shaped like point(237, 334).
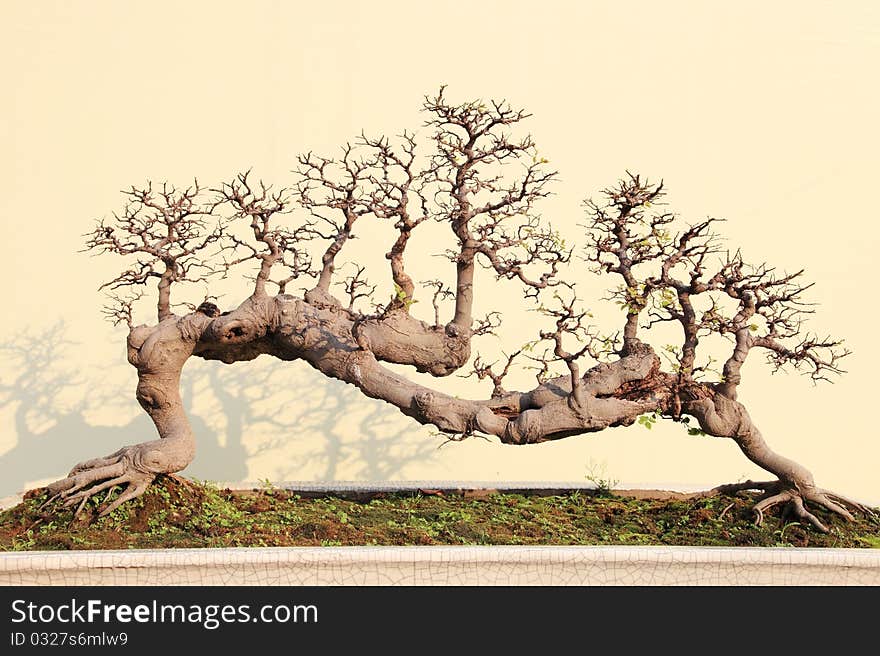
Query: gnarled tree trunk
point(680, 276)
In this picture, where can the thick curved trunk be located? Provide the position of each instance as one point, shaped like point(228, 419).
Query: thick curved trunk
point(158, 353)
point(724, 417)
point(341, 346)
point(329, 339)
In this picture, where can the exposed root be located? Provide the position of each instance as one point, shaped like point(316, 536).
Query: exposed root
point(793, 499)
point(726, 509)
point(91, 477)
point(855, 505)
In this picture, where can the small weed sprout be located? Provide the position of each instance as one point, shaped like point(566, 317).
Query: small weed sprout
point(597, 474)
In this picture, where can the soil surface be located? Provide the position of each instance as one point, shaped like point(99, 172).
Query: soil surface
point(176, 512)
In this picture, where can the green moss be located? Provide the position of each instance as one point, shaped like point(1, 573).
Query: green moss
point(176, 513)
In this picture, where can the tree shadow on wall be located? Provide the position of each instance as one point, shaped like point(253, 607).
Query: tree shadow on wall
point(362, 438)
point(50, 402)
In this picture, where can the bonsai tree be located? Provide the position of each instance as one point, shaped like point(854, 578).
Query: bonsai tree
point(484, 183)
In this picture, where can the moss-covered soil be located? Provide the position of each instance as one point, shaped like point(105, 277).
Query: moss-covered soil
point(179, 513)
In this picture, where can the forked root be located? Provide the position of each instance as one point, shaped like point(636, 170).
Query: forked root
point(91, 477)
point(794, 499)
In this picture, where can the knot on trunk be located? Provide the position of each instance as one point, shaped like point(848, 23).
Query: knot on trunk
point(525, 429)
point(423, 402)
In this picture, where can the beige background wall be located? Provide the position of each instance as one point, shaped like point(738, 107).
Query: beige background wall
point(763, 113)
